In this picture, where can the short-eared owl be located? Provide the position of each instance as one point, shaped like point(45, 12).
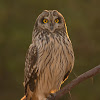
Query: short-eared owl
point(50, 57)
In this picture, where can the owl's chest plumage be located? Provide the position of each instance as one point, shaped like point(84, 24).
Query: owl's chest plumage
point(54, 61)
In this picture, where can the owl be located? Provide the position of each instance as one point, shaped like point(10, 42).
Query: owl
point(50, 57)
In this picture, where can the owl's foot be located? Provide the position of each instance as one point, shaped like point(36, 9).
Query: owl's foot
point(52, 95)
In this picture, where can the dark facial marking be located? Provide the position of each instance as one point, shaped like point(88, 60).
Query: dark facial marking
point(42, 20)
point(59, 18)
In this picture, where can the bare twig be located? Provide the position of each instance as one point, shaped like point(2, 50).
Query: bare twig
point(76, 81)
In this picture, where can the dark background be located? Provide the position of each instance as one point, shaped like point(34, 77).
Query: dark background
point(17, 19)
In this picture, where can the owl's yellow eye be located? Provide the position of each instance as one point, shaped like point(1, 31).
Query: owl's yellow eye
point(45, 20)
point(57, 20)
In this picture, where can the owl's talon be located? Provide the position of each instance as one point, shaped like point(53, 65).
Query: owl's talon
point(52, 95)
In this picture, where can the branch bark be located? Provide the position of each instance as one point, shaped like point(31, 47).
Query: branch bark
point(76, 81)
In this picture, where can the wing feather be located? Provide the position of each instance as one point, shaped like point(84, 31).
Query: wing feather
point(30, 74)
point(66, 75)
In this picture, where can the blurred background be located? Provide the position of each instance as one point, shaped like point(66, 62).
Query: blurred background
point(17, 19)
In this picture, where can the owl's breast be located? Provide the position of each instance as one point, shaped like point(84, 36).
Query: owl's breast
point(55, 51)
point(54, 60)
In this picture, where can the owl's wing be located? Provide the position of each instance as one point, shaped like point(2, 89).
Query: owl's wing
point(30, 74)
point(66, 75)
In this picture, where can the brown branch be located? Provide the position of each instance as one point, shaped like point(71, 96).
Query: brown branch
point(76, 81)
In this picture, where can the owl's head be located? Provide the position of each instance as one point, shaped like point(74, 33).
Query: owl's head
point(50, 20)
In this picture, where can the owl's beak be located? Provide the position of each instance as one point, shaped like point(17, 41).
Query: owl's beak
point(51, 26)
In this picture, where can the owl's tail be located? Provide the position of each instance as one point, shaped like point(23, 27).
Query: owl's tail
point(30, 95)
